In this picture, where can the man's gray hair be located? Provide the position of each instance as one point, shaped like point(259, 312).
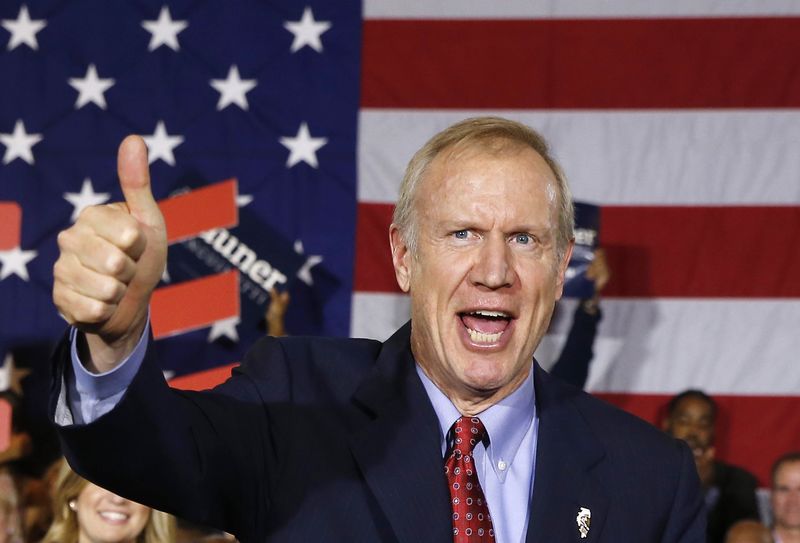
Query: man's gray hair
point(481, 132)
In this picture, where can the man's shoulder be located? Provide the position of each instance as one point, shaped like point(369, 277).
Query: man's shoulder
point(323, 353)
point(307, 366)
point(729, 475)
point(616, 428)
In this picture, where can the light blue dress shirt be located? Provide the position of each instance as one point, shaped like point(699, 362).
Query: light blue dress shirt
point(505, 468)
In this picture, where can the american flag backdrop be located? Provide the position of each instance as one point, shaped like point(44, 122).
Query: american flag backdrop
point(679, 118)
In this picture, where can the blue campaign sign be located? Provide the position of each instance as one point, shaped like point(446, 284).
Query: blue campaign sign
point(587, 232)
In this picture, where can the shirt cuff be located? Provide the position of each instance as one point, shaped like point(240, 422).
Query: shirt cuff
point(104, 385)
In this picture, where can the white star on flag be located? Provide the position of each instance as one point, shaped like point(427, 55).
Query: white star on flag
point(304, 273)
point(19, 143)
point(224, 327)
point(303, 147)
point(160, 145)
point(233, 89)
point(91, 88)
point(164, 30)
point(11, 377)
point(85, 198)
point(307, 31)
point(16, 261)
point(243, 199)
point(23, 29)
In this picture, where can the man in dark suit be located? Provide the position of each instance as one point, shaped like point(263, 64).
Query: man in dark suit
point(449, 431)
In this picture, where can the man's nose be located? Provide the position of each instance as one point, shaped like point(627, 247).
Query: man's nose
point(493, 266)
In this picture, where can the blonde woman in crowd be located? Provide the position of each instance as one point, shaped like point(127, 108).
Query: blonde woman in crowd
point(85, 513)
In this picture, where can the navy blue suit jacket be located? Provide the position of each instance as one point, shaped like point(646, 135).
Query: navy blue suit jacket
point(336, 440)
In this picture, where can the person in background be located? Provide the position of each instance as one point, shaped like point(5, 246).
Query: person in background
point(748, 531)
point(730, 491)
point(785, 498)
point(276, 313)
point(85, 513)
point(572, 365)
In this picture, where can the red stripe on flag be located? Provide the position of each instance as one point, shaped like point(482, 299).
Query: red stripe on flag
point(752, 431)
point(10, 225)
point(212, 206)
point(203, 380)
point(194, 304)
point(702, 251)
point(591, 63)
point(652, 251)
point(374, 271)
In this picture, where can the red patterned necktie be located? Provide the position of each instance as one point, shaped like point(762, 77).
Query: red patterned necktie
point(471, 520)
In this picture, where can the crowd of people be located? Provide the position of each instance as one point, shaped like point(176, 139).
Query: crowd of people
point(482, 290)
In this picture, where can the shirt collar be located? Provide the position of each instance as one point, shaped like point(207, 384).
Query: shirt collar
point(506, 422)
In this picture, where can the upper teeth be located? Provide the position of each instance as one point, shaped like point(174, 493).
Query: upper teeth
point(113, 515)
point(485, 313)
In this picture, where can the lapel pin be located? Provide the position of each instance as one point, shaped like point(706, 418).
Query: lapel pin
point(584, 520)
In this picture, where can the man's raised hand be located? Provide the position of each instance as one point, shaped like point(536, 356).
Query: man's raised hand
point(111, 260)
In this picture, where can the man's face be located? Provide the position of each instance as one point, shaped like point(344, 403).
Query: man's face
point(786, 496)
point(485, 277)
point(693, 422)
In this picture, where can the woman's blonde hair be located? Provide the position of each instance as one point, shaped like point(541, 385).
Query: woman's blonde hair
point(160, 527)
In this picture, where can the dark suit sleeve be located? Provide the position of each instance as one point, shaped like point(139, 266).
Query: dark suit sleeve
point(687, 518)
point(573, 363)
point(210, 457)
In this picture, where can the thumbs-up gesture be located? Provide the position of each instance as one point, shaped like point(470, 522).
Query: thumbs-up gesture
point(111, 260)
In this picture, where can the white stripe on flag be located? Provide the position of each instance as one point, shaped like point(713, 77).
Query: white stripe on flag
point(619, 157)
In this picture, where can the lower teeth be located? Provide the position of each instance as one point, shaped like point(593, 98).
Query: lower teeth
point(480, 337)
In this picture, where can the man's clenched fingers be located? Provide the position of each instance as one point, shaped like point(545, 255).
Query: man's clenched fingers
point(78, 309)
point(113, 223)
point(68, 272)
point(96, 253)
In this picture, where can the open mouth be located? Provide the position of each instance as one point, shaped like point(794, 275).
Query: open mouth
point(485, 327)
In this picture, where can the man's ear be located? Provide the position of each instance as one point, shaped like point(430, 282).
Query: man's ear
point(400, 258)
point(562, 268)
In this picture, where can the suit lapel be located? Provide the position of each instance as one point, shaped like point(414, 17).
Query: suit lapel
point(395, 440)
point(564, 483)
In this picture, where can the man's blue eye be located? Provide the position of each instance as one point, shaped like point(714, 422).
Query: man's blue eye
point(523, 239)
point(461, 234)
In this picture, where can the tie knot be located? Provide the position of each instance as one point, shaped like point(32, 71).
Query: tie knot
point(467, 432)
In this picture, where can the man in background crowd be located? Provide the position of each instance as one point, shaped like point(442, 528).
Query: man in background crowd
point(730, 491)
point(786, 498)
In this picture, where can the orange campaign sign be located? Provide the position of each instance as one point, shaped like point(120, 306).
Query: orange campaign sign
point(187, 215)
point(10, 225)
point(5, 425)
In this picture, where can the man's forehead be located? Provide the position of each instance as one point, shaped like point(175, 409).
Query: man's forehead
point(789, 468)
point(694, 403)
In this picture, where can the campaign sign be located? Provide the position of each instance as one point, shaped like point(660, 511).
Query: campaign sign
point(587, 231)
point(5, 425)
point(264, 259)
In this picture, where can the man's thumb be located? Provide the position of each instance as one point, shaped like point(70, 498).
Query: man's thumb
point(134, 179)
